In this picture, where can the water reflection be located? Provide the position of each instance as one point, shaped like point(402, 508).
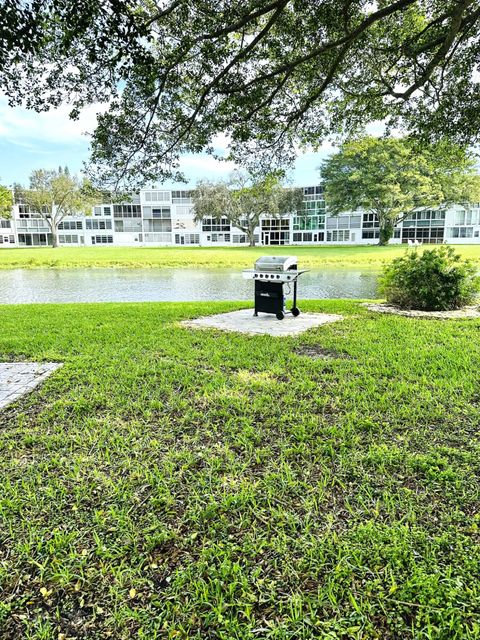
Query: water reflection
point(167, 285)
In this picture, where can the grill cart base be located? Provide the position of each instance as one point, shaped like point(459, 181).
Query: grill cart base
point(269, 298)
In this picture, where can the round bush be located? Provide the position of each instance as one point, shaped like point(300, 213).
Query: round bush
point(432, 280)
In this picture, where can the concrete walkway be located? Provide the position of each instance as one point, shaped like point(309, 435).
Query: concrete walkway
point(244, 321)
point(19, 378)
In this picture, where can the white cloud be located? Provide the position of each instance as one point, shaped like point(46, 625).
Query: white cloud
point(221, 141)
point(19, 125)
point(206, 165)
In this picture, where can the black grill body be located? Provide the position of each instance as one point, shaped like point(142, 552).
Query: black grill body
point(269, 297)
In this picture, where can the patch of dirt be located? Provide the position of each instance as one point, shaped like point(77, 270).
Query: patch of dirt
point(315, 352)
point(457, 314)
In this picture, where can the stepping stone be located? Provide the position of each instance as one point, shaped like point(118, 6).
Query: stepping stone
point(19, 378)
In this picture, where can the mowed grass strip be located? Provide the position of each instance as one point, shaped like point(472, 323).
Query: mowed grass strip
point(173, 483)
point(371, 256)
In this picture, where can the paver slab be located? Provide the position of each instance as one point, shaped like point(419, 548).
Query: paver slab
point(244, 321)
point(19, 378)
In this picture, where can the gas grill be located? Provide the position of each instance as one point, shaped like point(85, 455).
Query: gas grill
point(271, 273)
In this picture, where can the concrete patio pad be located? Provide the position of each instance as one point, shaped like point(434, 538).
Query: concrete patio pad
point(244, 321)
point(19, 378)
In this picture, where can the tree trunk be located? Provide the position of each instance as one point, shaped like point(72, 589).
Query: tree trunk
point(386, 232)
point(53, 230)
point(251, 238)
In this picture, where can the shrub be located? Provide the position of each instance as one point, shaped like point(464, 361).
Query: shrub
point(433, 280)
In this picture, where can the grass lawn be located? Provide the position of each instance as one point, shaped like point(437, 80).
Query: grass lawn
point(171, 483)
point(229, 257)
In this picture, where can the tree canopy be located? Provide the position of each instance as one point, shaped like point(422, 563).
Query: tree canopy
point(56, 194)
point(268, 74)
point(243, 198)
point(6, 201)
point(392, 177)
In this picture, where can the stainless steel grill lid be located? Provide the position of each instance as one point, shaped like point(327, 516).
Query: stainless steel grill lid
point(277, 268)
point(276, 263)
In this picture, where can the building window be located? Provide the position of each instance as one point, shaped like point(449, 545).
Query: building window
point(426, 218)
point(355, 222)
point(370, 221)
point(308, 222)
point(275, 231)
point(68, 239)
point(97, 224)
point(127, 211)
point(32, 239)
point(461, 232)
point(70, 225)
point(102, 239)
point(467, 217)
point(220, 237)
point(212, 224)
point(184, 211)
point(427, 235)
point(338, 222)
point(182, 197)
point(370, 234)
point(241, 238)
point(276, 224)
point(128, 226)
point(313, 193)
point(25, 210)
point(187, 238)
point(162, 212)
point(313, 206)
point(307, 237)
point(342, 235)
point(157, 196)
point(275, 237)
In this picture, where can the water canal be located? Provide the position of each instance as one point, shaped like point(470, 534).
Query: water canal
point(168, 285)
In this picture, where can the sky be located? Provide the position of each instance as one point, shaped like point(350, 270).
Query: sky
point(30, 140)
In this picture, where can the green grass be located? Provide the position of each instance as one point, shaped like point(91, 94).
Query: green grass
point(229, 257)
point(172, 483)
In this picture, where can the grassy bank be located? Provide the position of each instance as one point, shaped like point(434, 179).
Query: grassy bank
point(171, 483)
point(228, 257)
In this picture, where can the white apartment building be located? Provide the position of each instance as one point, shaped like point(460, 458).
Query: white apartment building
point(164, 217)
